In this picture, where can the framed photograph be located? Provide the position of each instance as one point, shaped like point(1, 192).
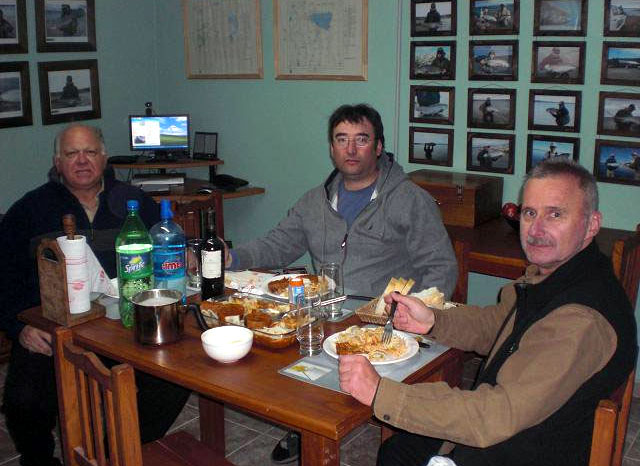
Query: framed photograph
point(620, 63)
point(493, 60)
point(490, 152)
point(15, 94)
point(13, 26)
point(619, 114)
point(494, 17)
point(560, 18)
point(491, 108)
point(540, 147)
point(622, 18)
point(558, 62)
point(617, 162)
point(433, 60)
point(432, 104)
point(433, 18)
point(431, 146)
point(554, 110)
point(69, 90)
point(65, 25)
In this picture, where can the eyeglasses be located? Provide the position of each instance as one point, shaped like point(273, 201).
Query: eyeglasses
point(361, 140)
point(90, 153)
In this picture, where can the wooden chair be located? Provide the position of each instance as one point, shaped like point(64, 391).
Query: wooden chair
point(99, 416)
point(612, 414)
point(191, 215)
point(461, 249)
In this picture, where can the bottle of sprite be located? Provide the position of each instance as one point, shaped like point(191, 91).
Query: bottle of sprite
point(133, 255)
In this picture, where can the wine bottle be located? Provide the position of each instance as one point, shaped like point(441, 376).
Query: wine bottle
point(212, 255)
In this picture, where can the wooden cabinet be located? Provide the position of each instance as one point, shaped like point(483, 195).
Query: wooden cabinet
point(465, 199)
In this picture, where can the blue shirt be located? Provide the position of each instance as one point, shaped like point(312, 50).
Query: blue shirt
point(351, 203)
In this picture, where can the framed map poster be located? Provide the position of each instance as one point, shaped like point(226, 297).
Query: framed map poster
point(222, 39)
point(320, 39)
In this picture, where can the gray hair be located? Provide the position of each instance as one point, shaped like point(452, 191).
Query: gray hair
point(97, 133)
point(566, 167)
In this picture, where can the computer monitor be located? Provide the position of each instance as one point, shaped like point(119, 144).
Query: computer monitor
point(167, 136)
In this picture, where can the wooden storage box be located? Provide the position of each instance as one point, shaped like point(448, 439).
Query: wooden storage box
point(465, 199)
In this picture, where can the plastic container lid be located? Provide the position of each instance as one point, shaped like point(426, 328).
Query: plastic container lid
point(295, 281)
point(165, 209)
point(132, 204)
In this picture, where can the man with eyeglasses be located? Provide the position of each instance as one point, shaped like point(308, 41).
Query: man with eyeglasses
point(80, 186)
point(367, 216)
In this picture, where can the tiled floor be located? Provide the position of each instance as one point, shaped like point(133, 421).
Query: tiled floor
point(249, 441)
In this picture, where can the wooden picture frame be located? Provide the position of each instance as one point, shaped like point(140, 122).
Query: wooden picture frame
point(620, 63)
point(13, 21)
point(491, 108)
point(433, 60)
point(491, 60)
point(431, 146)
point(308, 50)
point(59, 100)
point(486, 17)
point(621, 23)
point(560, 18)
point(554, 110)
point(431, 104)
point(541, 147)
point(433, 18)
point(68, 26)
point(15, 110)
point(490, 152)
point(216, 48)
point(617, 162)
point(619, 114)
point(558, 62)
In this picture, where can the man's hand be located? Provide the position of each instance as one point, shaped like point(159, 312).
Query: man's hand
point(358, 377)
point(412, 315)
point(36, 340)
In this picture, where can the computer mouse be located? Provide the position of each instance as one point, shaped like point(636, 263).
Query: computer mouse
point(205, 190)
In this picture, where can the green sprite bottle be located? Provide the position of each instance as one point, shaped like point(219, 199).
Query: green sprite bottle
point(133, 255)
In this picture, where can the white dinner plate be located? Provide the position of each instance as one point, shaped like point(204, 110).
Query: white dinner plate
point(329, 346)
point(265, 284)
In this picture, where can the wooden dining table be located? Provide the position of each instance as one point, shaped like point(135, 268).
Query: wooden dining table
point(253, 385)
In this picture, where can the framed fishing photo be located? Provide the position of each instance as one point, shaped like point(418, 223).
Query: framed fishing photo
point(433, 60)
point(491, 108)
point(622, 18)
point(431, 146)
point(493, 60)
point(433, 18)
point(558, 62)
point(15, 94)
point(620, 63)
point(560, 17)
point(554, 110)
point(494, 17)
point(490, 152)
point(432, 104)
point(13, 26)
point(619, 114)
point(541, 147)
point(65, 25)
point(617, 162)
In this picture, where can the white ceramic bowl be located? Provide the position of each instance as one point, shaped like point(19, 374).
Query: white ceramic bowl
point(228, 343)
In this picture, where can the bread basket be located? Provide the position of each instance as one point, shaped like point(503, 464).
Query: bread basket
point(366, 313)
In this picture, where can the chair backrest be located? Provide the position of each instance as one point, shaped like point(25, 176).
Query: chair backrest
point(461, 249)
point(625, 257)
point(98, 407)
point(191, 215)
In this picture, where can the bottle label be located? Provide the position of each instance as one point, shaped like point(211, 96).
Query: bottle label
point(135, 266)
point(168, 264)
point(211, 264)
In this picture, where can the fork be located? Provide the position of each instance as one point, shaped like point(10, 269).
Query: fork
point(388, 327)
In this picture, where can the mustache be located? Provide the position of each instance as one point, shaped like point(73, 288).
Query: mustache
point(539, 241)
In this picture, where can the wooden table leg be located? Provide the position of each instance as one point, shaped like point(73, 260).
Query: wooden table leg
point(212, 423)
point(318, 450)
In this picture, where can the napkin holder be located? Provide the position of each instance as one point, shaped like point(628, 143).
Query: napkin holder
point(54, 297)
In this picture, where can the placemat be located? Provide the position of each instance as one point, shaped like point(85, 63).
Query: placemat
point(322, 370)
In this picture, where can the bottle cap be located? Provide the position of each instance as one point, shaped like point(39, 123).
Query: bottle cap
point(295, 281)
point(165, 209)
point(132, 204)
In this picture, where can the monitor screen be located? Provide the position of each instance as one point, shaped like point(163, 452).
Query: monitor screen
point(159, 133)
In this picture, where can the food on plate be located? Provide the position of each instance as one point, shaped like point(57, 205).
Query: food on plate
point(280, 287)
point(368, 341)
point(432, 297)
point(400, 285)
point(222, 310)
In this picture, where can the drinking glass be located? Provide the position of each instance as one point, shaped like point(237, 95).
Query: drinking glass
point(310, 331)
point(331, 286)
point(194, 267)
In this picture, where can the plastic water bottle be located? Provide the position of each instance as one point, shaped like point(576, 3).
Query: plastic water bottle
point(169, 252)
point(133, 254)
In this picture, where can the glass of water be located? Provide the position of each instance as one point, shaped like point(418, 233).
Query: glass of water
point(331, 286)
point(310, 331)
